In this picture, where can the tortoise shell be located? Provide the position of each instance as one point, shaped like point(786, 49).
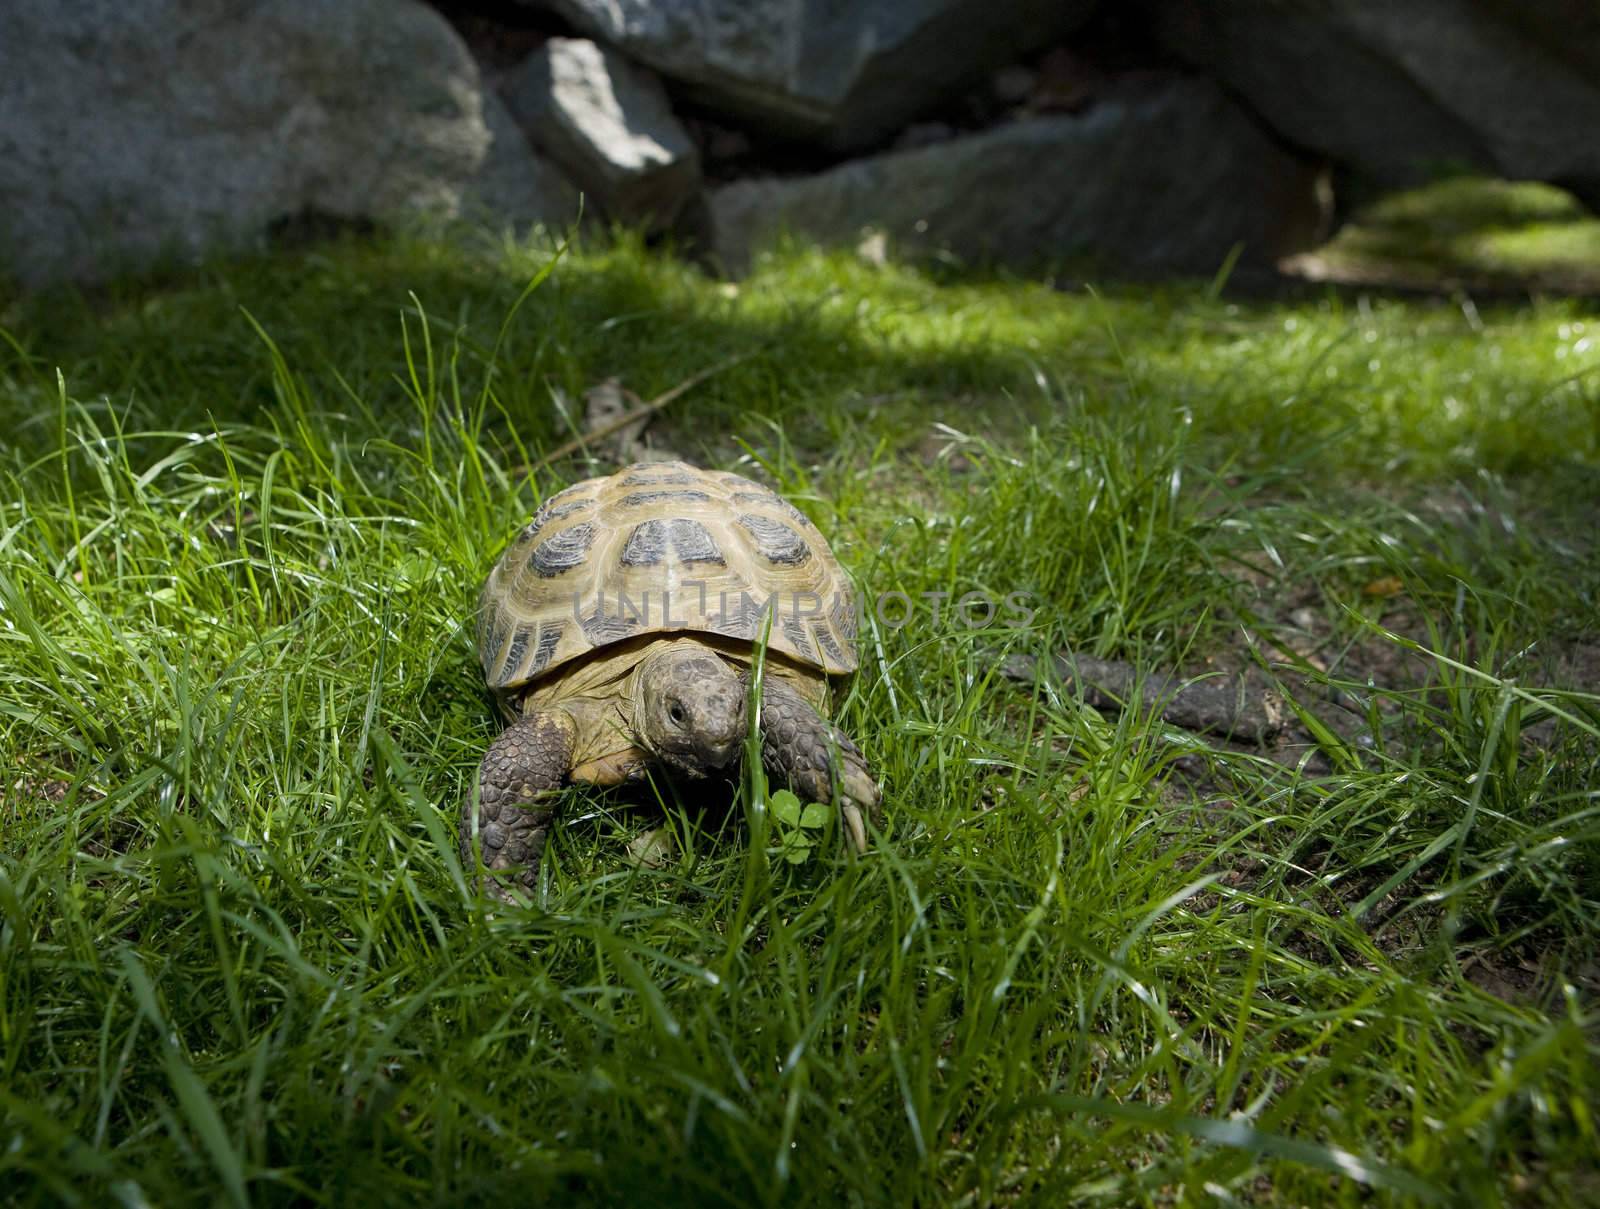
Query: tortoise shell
point(663, 547)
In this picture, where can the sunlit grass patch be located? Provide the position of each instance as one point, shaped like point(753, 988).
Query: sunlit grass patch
point(1519, 236)
point(240, 712)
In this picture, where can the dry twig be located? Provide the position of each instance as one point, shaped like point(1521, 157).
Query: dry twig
point(631, 416)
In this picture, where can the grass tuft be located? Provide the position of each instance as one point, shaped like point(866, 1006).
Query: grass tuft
point(1092, 960)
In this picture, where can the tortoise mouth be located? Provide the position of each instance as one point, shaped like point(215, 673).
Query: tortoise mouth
point(699, 758)
point(721, 755)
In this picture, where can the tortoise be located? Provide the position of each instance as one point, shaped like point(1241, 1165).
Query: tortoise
point(618, 632)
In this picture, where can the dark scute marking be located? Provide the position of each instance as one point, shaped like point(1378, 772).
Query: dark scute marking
point(843, 615)
point(740, 616)
point(562, 551)
point(794, 629)
point(549, 638)
point(639, 498)
point(553, 510)
point(795, 513)
point(513, 659)
point(733, 624)
point(602, 628)
point(490, 636)
point(830, 649)
point(648, 480)
point(769, 499)
point(694, 543)
point(646, 545)
point(775, 541)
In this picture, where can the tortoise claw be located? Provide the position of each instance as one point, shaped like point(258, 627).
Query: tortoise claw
point(854, 825)
point(806, 752)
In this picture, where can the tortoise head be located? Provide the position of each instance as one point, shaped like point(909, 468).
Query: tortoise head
point(689, 708)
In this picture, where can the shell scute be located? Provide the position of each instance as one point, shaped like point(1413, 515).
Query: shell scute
point(663, 547)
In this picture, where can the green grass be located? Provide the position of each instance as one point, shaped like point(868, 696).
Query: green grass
point(240, 537)
point(1466, 231)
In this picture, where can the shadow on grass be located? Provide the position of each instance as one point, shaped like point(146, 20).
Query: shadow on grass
point(837, 353)
point(179, 350)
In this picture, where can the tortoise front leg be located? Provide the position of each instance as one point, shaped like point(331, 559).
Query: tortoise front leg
point(803, 750)
point(521, 771)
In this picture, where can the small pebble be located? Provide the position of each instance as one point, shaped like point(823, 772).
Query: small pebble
point(1014, 84)
point(652, 849)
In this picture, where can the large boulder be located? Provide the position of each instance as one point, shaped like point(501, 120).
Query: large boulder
point(133, 132)
point(843, 75)
point(608, 123)
point(1398, 92)
point(1160, 174)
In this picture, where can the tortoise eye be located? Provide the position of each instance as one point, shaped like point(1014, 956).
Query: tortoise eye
point(675, 712)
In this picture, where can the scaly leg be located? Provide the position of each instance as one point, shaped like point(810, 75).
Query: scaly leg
point(798, 747)
point(521, 771)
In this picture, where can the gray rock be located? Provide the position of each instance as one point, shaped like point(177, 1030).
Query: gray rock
point(1170, 174)
point(846, 75)
point(1236, 705)
point(609, 124)
point(132, 132)
point(1013, 84)
point(923, 134)
point(1396, 92)
point(512, 183)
